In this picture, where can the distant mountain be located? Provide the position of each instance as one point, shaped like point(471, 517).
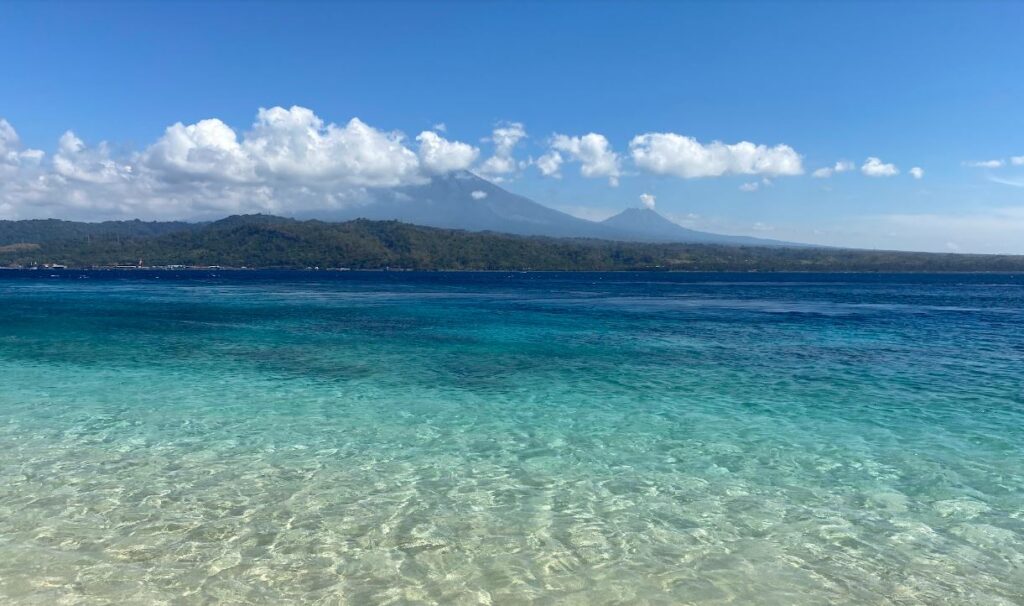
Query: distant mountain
point(458, 200)
point(463, 200)
point(646, 225)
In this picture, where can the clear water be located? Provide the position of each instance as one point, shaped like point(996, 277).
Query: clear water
point(510, 439)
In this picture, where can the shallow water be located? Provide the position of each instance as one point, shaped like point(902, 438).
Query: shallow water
point(362, 438)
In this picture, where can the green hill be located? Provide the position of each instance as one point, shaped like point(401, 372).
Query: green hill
point(39, 231)
point(274, 242)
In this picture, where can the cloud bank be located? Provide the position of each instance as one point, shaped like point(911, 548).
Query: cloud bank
point(289, 160)
point(682, 156)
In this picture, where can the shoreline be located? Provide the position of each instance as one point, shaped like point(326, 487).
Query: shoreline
point(493, 271)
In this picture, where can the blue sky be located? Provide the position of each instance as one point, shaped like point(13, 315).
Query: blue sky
point(931, 85)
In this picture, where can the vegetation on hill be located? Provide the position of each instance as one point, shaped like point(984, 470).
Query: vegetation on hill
point(273, 242)
point(39, 231)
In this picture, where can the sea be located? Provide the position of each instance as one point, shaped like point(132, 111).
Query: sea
point(262, 437)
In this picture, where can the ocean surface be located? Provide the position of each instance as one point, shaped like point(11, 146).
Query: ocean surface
point(491, 438)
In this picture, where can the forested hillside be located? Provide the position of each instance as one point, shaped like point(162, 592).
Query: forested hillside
point(266, 241)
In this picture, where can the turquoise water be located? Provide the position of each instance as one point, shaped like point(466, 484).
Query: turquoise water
point(509, 439)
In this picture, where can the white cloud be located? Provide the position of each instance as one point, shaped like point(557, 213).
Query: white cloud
point(289, 161)
point(439, 155)
point(1017, 160)
point(751, 186)
point(441, 127)
point(208, 148)
point(681, 156)
point(550, 164)
point(495, 167)
point(478, 194)
point(9, 140)
point(593, 152)
point(13, 156)
point(647, 200)
point(917, 172)
point(505, 137)
point(984, 163)
point(77, 162)
point(874, 167)
point(294, 143)
point(840, 167)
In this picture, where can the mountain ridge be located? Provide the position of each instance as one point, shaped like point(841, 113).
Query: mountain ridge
point(460, 200)
point(463, 200)
point(264, 241)
point(651, 226)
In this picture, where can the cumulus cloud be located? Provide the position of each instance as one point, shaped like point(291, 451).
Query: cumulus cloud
point(1017, 160)
point(840, 167)
point(295, 143)
point(13, 156)
point(917, 172)
point(681, 156)
point(77, 162)
point(289, 160)
point(751, 186)
point(439, 155)
point(9, 140)
point(477, 194)
point(985, 163)
point(505, 137)
point(593, 152)
point(647, 200)
point(874, 167)
point(208, 148)
point(550, 164)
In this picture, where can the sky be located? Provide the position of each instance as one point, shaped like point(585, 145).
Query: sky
point(876, 125)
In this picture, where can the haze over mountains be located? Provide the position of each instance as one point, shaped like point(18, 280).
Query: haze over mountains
point(459, 200)
point(457, 222)
point(462, 200)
